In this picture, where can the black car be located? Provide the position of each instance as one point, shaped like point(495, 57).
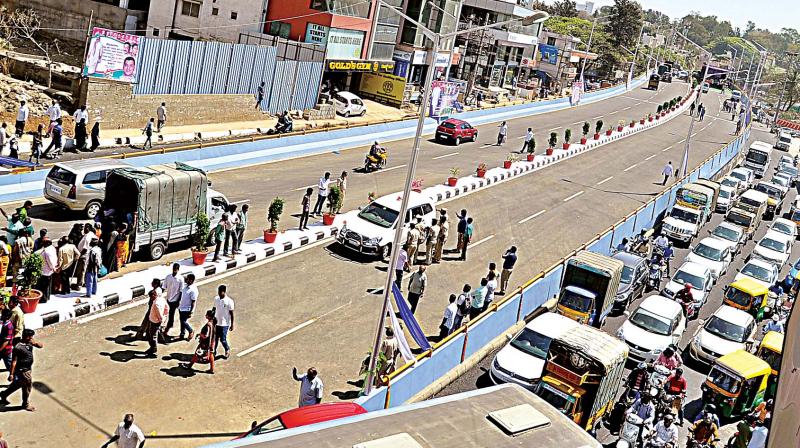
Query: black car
point(633, 281)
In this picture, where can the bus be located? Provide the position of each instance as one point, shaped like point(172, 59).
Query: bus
point(502, 416)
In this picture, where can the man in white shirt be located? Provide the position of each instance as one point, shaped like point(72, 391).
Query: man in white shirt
point(186, 306)
point(81, 114)
point(528, 140)
point(416, 287)
point(127, 435)
point(666, 431)
point(400, 267)
point(463, 305)
point(491, 287)
point(758, 439)
point(22, 116)
point(310, 387)
point(230, 231)
point(667, 172)
point(50, 257)
point(53, 113)
point(322, 193)
point(448, 319)
point(158, 312)
point(173, 285)
point(3, 137)
point(83, 248)
point(161, 114)
point(223, 309)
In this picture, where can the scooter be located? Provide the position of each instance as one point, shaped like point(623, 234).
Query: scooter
point(631, 430)
point(375, 162)
point(614, 420)
point(658, 377)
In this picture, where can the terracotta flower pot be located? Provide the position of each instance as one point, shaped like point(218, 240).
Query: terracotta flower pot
point(29, 303)
point(269, 237)
point(608, 132)
point(549, 151)
point(480, 173)
point(619, 128)
point(451, 181)
point(327, 219)
point(583, 140)
point(649, 118)
point(597, 136)
point(530, 157)
point(633, 123)
point(565, 146)
point(641, 121)
point(506, 164)
point(199, 256)
point(658, 117)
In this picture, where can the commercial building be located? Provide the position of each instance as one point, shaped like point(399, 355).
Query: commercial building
point(587, 7)
point(204, 20)
point(561, 60)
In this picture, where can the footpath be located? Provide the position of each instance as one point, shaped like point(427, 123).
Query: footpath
point(128, 288)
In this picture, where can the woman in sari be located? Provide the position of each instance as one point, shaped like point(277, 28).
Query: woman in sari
point(123, 246)
point(5, 259)
point(205, 345)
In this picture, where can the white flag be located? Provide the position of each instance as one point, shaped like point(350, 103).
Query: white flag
point(405, 349)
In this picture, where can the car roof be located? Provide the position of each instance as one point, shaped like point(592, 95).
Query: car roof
point(628, 258)
point(551, 324)
point(89, 164)
point(759, 262)
point(454, 121)
point(694, 268)
point(756, 195)
point(742, 170)
point(732, 226)
point(734, 179)
point(317, 413)
point(726, 188)
point(348, 95)
point(714, 243)
point(733, 315)
point(783, 221)
point(393, 200)
point(775, 235)
point(661, 306)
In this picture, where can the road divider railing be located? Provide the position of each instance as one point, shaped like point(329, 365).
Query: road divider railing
point(468, 343)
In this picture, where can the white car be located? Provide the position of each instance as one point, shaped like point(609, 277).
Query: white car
point(734, 236)
point(784, 141)
point(371, 230)
point(522, 360)
point(348, 104)
point(774, 247)
point(785, 226)
point(737, 184)
point(725, 200)
point(713, 254)
point(761, 271)
point(727, 330)
point(746, 175)
point(786, 159)
point(783, 181)
point(698, 275)
point(654, 325)
point(682, 223)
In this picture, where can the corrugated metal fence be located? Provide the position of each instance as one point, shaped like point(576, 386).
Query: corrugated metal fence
point(193, 67)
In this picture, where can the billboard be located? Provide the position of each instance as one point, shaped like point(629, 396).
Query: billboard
point(112, 55)
point(344, 44)
point(443, 95)
point(382, 86)
point(549, 53)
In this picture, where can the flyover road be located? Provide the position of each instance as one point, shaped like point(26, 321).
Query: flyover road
point(290, 178)
point(695, 372)
point(318, 307)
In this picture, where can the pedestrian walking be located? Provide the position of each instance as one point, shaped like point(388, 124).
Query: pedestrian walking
point(189, 296)
point(158, 312)
point(223, 306)
point(416, 287)
point(461, 228)
point(49, 267)
point(691, 109)
point(127, 434)
point(53, 113)
point(738, 127)
point(390, 348)
point(219, 235)
point(509, 260)
point(80, 114)
point(467, 237)
point(528, 141)
point(432, 241)
point(758, 439)
point(501, 134)
point(463, 305)
point(17, 318)
point(260, 95)
point(37, 144)
point(95, 135)
point(144, 327)
point(412, 241)
point(21, 373)
point(161, 114)
point(478, 99)
point(449, 317)
point(22, 116)
point(206, 344)
point(5, 260)
point(444, 229)
point(305, 206)
point(6, 337)
point(401, 266)
point(241, 226)
point(173, 285)
point(56, 142)
point(342, 183)
point(667, 172)
point(702, 111)
point(478, 300)
point(231, 238)
point(311, 387)
point(322, 193)
point(93, 260)
point(148, 131)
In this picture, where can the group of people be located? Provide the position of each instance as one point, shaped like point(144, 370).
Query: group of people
point(701, 110)
point(323, 190)
point(230, 231)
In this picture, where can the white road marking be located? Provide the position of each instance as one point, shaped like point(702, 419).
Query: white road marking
point(650, 157)
point(488, 145)
point(574, 196)
point(626, 108)
point(605, 180)
point(667, 148)
point(630, 167)
point(597, 117)
point(555, 129)
point(303, 188)
point(390, 168)
point(446, 155)
point(481, 241)
point(531, 217)
point(275, 338)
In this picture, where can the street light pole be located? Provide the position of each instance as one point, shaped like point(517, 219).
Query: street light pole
point(588, 48)
point(635, 54)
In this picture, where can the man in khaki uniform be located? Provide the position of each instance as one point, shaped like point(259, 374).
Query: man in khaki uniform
point(412, 241)
point(433, 240)
point(444, 229)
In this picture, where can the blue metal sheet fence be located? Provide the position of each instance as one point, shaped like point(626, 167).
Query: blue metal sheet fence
point(189, 68)
point(644, 218)
point(602, 245)
point(534, 296)
point(623, 230)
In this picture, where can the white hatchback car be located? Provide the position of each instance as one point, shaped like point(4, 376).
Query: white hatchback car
point(763, 272)
point(727, 330)
point(347, 104)
point(712, 253)
point(785, 226)
point(734, 236)
point(654, 325)
point(774, 247)
point(522, 360)
point(698, 275)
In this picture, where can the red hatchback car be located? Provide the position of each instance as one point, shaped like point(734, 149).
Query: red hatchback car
point(456, 131)
point(307, 415)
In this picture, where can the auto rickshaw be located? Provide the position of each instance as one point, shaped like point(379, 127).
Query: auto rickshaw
point(652, 84)
point(748, 295)
point(770, 350)
point(736, 384)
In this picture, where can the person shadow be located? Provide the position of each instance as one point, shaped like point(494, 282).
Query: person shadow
point(180, 370)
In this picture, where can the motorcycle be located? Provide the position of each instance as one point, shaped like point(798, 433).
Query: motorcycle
point(631, 431)
point(692, 443)
point(376, 161)
point(656, 273)
point(614, 420)
point(668, 403)
point(658, 377)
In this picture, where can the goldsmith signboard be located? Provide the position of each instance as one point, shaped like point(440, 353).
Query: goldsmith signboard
point(355, 65)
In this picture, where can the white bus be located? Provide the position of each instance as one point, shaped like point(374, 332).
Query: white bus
point(758, 157)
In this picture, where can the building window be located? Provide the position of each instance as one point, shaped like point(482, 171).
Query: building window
point(354, 8)
point(279, 29)
point(155, 31)
point(234, 15)
point(551, 40)
point(191, 9)
point(214, 11)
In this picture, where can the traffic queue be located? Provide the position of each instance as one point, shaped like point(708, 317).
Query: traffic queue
point(566, 358)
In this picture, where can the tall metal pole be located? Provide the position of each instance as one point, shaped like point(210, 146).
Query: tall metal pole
point(749, 68)
point(635, 53)
point(588, 48)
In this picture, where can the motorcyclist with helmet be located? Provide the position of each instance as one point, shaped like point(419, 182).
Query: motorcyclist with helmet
point(709, 409)
point(704, 432)
point(376, 157)
point(643, 408)
point(686, 299)
point(665, 432)
point(676, 385)
point(669, 358)
point(637, 380)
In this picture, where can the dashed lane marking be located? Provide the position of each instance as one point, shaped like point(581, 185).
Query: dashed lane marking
point(605, 180)
point(275, 338)
point(481, 241)
point(650, 157)
point(574, 196)
point(446, 155)
point(531, 217)
point(630, 167)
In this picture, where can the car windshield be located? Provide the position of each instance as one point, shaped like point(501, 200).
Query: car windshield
point(728, 182)
point(756, 157)
point(739, 176)
point(62, 175)
point(448, 125)
point(532, 343)
point(684, 215)
point(650, 322)
point(782, 227)
point(739, 219)
point(770, 191)
point(684, 277)
point(725, 329)
point(724, 194)
point(708, 252)
point(556, 398)
point(627, 274)
point(769, 243)
point(791, 171)
point(724, 380)
point(757, 272)
point(726, 233)
point(379, 215)
point(575, 301)
point(780, 180)
point(786, 139)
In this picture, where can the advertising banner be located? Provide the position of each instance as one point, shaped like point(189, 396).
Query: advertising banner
point(549, 53)
point(316, 34)
point(344, 44)
point(112, 55)
point(384, 87)
point(443, 95)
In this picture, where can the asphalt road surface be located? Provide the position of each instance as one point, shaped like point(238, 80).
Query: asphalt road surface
point(318, 306)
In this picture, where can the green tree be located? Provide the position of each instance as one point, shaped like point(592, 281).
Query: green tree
point(624, 23)
point(565, 8)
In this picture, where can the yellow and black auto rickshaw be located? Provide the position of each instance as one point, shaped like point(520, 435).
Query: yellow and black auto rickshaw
point(652, 84)
point(770, 350)
point(736, 384)
point(748, 295)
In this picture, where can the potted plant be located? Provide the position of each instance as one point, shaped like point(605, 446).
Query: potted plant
point(511, 158)
point(273, 216)
point(664, 108)
point(598, 126)
point(567, 136)
point(642, 120)
point(481, 171)
point(531, 149)
point(658, 112)
point(620, 125)
point(585, 132)
point(334, 205)
point(453, 179)
point(202, 228)
point(31, 271)
point(609, 131)
point(672, 104)
point(649, 117)
point(551, 142)
point(680, 99)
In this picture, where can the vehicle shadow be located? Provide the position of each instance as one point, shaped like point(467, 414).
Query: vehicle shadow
point(53, 213)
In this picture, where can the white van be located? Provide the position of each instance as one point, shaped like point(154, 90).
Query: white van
point(784, 141)
point(758, 157)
